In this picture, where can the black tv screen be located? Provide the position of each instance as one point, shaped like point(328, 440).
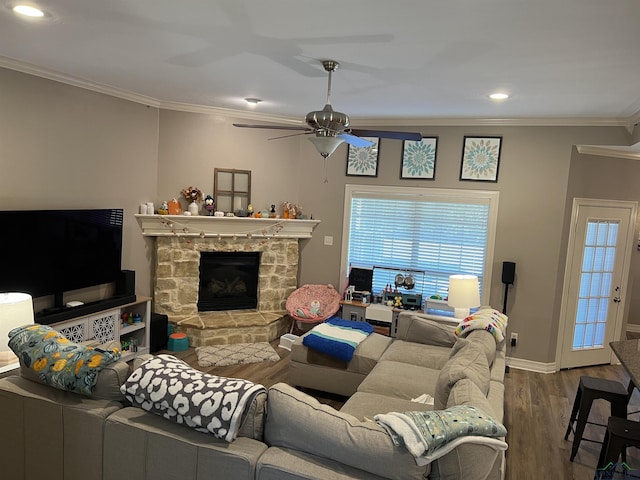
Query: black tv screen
point(49, 252)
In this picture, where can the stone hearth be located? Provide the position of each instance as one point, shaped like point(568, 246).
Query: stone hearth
point(177, 274)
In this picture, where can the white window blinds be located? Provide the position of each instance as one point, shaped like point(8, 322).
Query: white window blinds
point(429, 233)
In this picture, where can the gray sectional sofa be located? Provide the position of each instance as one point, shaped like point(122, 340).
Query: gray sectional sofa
point(286, 434)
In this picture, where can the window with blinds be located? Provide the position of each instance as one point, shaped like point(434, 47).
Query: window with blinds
point(426, 233)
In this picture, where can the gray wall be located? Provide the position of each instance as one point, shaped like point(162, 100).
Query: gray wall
point(93, 150)
point(65, 147)
point(594, 176)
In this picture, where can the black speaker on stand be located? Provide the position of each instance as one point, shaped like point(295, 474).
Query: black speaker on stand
point(508, 277)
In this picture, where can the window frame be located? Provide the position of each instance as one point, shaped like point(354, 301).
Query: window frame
point(487, 197)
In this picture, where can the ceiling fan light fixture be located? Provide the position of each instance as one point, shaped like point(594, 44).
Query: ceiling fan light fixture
point(325, 145)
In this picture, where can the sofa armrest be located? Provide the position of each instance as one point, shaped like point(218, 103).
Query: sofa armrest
point(418, 328)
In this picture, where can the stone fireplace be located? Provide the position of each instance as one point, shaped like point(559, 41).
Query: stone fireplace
point(180, 243)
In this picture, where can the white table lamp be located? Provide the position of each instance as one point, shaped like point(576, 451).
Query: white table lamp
point(464, 294)
point(16, 309)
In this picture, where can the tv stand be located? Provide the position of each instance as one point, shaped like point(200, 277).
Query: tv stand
point(60, 313)
point(102, 322)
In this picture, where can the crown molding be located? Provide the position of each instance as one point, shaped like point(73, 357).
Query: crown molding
point(23, 67)
point(30, 69)
point(480, 121)
point(230, 112)
point(618, 151)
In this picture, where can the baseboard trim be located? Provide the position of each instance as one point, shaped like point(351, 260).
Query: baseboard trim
point(530, 365)
point(633, 328)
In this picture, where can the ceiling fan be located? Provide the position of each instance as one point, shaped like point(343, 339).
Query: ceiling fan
point(331, 128)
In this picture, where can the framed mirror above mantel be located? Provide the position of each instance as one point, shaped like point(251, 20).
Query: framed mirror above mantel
point(231, 189)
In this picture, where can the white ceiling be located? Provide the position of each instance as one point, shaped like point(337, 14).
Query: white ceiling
point(402, 62)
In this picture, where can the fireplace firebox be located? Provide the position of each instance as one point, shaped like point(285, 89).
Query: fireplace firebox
point(228, 281)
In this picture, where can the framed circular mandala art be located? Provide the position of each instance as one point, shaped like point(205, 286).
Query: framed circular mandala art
point(363, 161)
point(480, 158)
point(419, 158)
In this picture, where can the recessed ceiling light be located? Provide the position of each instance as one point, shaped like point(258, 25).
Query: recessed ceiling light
point(28, 11)
point(252, 101)
point(498, 96)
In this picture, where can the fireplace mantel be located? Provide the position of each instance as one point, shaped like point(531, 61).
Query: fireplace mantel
point(206, 226)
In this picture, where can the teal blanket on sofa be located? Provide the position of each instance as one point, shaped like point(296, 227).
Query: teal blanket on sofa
point(430, 434)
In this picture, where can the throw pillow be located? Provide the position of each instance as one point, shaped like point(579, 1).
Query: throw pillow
point(469, 362)
point(46, 356)
point(169, 387)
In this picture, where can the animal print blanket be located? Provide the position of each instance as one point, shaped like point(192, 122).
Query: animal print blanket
point(168, 387)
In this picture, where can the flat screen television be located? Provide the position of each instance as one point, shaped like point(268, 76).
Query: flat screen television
point(50, 252)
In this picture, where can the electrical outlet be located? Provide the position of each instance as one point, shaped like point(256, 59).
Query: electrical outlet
point(514, 339)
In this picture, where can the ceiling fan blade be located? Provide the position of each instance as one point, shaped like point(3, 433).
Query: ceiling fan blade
point(272, 127)
point(292, 135)
point(355, 141)
point(386, 134)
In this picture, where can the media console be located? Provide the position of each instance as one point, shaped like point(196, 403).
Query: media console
point(105, 321)
point(55, 315)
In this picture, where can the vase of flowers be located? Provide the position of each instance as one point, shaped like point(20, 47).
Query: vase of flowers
point(193, 195)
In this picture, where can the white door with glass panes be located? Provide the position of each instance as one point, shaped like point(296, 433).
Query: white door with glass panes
point(596, 273)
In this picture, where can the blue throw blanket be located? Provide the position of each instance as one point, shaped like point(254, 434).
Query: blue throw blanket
point(338, 337)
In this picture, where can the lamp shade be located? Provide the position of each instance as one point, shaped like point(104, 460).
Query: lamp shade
point(464, 294)
point(16, 309)
point(326, 145)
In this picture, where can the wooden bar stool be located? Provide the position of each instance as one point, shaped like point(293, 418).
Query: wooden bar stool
point(590, 389)
point(621, 433)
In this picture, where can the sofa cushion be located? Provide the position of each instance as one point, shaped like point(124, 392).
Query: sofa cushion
point(46, 356)
point(289, 464)
point(169, 387)
point(366, 405)
point(299, 422)
point(470, 362)
point(142, 446)
point(47, 431)
point(418, 329)
point(486, 341)
point(417, 354)
point(400, 380)
point(465, 392)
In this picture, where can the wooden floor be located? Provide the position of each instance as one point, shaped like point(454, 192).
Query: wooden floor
point(537, 409)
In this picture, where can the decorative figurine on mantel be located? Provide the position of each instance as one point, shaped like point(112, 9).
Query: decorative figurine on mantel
point(208, 204)
point(164, 208)
point(174, 207)
point(272, 212)
point(249, 210)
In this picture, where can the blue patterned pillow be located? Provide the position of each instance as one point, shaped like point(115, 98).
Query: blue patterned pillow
point(56, 361)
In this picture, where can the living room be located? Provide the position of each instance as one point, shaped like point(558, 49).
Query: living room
point(66, 143)
point(94, 151)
